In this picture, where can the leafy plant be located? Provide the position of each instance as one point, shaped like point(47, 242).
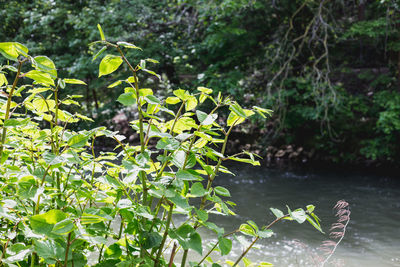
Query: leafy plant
point(65, 204)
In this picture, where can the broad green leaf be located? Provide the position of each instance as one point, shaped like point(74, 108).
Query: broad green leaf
point(152, 100)
point(225, 245)
point(27, 187)
point(265, 233)
point(17, 252)
point(206, 119)
point(235, 107)
point(181, 94)
point(16, 122)
point(127, 99)
point(78, 140)
point(222, 191)
point(188, 175)
point(45, 64)
point(44, 223)
point(197, 190)
point(234, 119)
point(40, 77)
point(101, 32)
point(169, 144)
point(188, 238)
point(43, 105)
point(202, 214)
point(152, 240)
point(277, 213)
point(50, 250)
point(63, 227)
point(109, 64)
point(114, 251)
point(247, 229)
point(9, 51)
point(172, 100)
point(299, 215)
point(190, 103)
point(74, 81)
point(152, 73)
point(253, 224)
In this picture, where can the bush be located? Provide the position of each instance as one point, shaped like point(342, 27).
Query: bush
point(62, 201)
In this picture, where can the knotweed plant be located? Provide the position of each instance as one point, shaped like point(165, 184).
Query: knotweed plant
point(61, 201)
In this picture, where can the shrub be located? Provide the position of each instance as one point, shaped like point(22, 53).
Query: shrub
point(62, 201)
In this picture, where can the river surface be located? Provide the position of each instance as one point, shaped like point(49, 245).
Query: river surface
point(373, 234)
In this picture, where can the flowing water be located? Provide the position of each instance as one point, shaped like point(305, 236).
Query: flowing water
point(373, 234)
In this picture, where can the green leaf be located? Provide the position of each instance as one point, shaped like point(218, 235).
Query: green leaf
point(188, 175)
point(49, 250)
point(99, 53)
point(91, 218)
point(152, 240)
point(235, 107)
point(299, 215)
point(45, 64)
point(172, 100)
point(74, 81)
point(188, 238)
point(128, 45)
point(44, 223)
point(40, 77)
point(114, 251)
point(63, 227)
point(225, 245)
point(127, 99)
point(204, 90)
point(167, 143)
point(197, 190)
point(247, 229)
point(191, 103)
point(313, 223)
point(8, 50)
point(206, 119)
point(265, 233)
point(222, 191)
point(78, 140)
point(3, 79)
point(202, 214)
point(101, 32)
point(152, 100)
point(109, 64)
point(277, 213)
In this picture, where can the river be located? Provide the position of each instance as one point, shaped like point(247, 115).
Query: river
point(373, 234)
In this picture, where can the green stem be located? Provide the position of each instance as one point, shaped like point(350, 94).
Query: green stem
point(4, 134)
point(171, 207)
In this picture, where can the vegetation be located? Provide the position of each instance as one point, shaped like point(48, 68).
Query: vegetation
point(329, 69)
point(64, 203)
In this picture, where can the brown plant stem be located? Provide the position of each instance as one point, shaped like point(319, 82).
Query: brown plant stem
point(256, 239)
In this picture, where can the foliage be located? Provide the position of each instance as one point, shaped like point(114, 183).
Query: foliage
point(265, 53)
point(64, 204)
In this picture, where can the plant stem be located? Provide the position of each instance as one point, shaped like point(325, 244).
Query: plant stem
point(255, 240)
point(171, 207)
point(7, 115)
point(67, 250)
